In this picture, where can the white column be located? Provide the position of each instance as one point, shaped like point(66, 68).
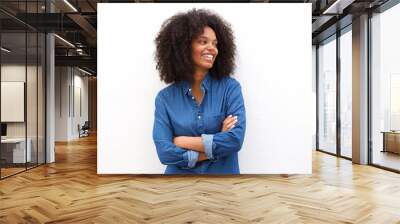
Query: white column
point(50, 93)
point(360, 90)
point(50, 110)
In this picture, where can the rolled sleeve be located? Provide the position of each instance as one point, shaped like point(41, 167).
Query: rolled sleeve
point(208, 145)
point(193, 157)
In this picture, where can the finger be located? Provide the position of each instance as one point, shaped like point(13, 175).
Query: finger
point(230, 119)
point(233, 119)
point(227, 119)
point(225, 127)
point(232, 122)
point(229, 126)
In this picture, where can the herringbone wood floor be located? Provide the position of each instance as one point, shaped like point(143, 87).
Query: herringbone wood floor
point(70, 191)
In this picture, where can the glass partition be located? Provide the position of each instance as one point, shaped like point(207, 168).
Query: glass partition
point(327, 96)
point(22, 67)
point(32, 95)
point(14, 153)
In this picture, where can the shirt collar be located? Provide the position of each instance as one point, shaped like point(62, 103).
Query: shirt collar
point(186, 87)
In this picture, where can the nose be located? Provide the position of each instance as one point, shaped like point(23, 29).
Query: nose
point(212, 48)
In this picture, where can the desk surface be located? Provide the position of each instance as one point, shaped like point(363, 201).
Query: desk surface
point(391, 132)
point(13, 140)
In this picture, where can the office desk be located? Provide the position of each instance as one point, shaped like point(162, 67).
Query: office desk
point(15, 148)
point(391, 141)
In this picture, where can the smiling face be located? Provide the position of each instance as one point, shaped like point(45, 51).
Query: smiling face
point(204, 50)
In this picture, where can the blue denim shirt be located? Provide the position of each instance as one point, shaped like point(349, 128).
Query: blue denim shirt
point(178, 114)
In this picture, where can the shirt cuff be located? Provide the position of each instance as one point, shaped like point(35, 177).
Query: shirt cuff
point(208, 145)
point(193, 157)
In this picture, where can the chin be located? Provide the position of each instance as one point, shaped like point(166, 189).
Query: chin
point(207, 66)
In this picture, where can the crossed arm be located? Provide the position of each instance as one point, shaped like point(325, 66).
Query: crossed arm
point(196, 143)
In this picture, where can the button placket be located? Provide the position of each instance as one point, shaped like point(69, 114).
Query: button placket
point(191, 96)
point(199, 116)
point(197, 108)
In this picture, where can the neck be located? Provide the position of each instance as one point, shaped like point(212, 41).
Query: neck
point(199, 76)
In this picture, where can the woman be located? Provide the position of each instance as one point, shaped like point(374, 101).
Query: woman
point(200, 118)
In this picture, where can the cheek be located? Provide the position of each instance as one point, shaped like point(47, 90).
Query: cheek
point(196, 54)
point(196, 57)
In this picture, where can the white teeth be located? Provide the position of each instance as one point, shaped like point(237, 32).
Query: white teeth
point(208, 56)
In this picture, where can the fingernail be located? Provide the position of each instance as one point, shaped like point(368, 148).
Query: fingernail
point(232, 126)
point(230, 115)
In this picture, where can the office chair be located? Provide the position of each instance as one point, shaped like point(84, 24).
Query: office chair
point(84, 130)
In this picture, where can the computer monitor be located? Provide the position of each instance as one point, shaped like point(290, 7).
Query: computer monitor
point(3, 129)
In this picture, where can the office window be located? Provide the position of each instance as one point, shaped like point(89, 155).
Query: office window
point(22, 91)
point(385, 90)
point(346, 93)
point(327, 96)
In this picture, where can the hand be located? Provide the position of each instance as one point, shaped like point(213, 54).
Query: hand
point(202, 157)
point(229, 123)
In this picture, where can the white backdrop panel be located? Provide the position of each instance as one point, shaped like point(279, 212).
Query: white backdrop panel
point(12, 101)
point(273, 67)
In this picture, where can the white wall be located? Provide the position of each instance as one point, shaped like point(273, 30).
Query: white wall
point(274, 69)
point(81, 82)
point(68, 82)
point(61, 103)
point(314, 95)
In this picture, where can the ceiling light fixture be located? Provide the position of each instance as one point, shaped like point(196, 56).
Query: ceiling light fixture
point(5, 50)
point(338, 6)
point(86, 72)
point(64, 40)
point(70, 5)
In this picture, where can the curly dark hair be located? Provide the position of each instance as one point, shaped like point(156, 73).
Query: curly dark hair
point(173, 45)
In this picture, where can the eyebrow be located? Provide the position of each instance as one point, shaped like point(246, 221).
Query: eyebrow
point(206, 38)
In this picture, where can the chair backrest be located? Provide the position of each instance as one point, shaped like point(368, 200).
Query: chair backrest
point(86, 125)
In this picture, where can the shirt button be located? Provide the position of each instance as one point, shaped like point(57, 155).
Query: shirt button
point(199, 117)
point(192, 97)
point(190, 89)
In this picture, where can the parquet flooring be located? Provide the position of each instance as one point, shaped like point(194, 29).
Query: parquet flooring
point(10, 171)
point(70, 191)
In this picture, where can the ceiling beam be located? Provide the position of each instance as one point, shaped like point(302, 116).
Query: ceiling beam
point(85, 61)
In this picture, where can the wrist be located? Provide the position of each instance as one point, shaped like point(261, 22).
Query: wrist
point(202, 157)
